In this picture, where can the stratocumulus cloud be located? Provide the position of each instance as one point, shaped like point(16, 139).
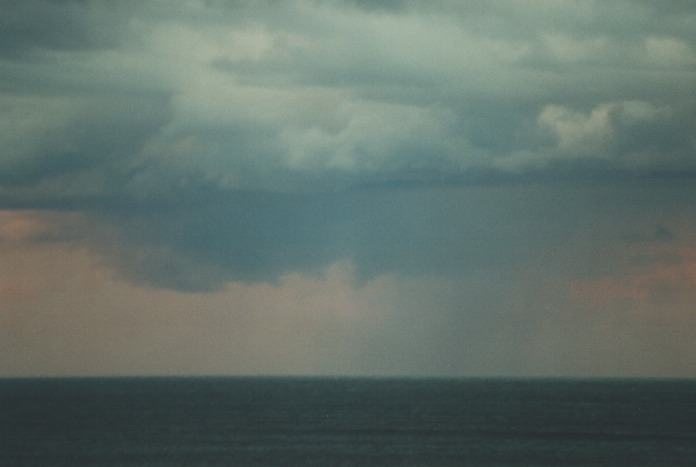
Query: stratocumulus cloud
point(129, 107)
point(327, 94)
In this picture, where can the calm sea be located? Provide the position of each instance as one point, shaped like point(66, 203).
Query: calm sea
point(322, 421)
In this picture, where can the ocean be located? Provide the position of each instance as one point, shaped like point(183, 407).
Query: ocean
point(280, 421)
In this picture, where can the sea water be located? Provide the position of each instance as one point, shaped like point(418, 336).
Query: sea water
point(346, 421)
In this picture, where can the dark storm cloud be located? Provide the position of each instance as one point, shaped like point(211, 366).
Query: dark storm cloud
point(502, 230)
point(28, 26)
point(60, 150)
point(212, 141)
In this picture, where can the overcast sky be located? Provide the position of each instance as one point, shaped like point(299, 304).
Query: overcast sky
point(464, 188)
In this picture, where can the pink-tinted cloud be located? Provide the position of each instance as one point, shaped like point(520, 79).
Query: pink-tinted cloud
point(37, 257)
point(659, 279)
point(19, 226)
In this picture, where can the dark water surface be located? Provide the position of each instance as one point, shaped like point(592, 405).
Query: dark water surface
point(322, 421)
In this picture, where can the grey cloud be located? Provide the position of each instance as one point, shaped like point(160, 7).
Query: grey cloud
point(242, 140)
point(628, 135)
point(455, 77)
point(28, 26)
point(205, 241)
point(201, 243)
point(85, 146)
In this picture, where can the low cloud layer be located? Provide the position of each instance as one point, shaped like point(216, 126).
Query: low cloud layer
point(181, 129)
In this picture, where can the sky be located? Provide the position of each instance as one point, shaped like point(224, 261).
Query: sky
point(348, 187)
